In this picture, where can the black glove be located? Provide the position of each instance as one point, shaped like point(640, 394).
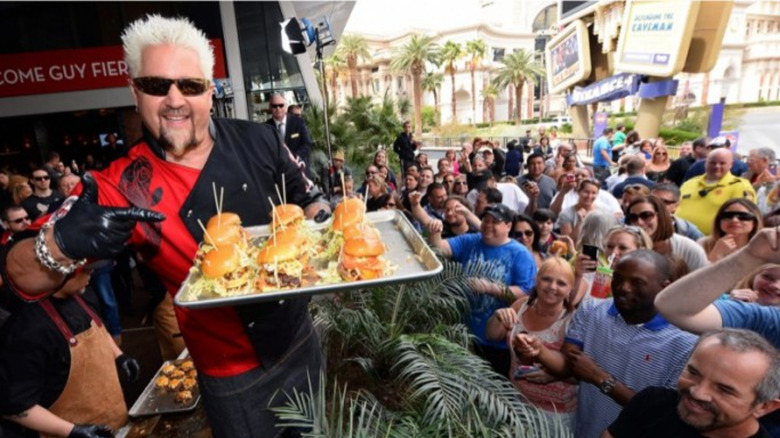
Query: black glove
point(321, 216)
point(129, 367)
point(89, 230)
point(91, 431)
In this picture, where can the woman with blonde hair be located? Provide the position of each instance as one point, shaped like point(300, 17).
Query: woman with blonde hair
point(659, 163)
point(762, 286)
point(20, 189)
point(546, 314)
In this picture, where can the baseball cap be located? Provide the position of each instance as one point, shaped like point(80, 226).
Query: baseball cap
point(499, 212)
point(719, 142)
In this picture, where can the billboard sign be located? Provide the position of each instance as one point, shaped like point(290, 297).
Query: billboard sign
point(81, 69)
point(655, 36)
point(568, 57)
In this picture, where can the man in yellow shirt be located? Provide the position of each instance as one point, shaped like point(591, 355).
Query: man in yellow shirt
point(702, 196)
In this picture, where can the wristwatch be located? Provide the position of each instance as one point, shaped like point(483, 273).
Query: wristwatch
point(607, 386)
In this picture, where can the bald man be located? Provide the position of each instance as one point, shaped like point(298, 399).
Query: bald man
point(702, 196)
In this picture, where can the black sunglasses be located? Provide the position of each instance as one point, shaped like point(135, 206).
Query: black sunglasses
point(368, 172)
point(20, 220)
point(277, 105)
point(156, 86)
point(526, 233)
point(645, 215)
point(743, 216)
point(41, 178)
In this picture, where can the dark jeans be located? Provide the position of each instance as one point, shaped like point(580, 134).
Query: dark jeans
point(601, 173)
point(239, 406)
point(101, 284)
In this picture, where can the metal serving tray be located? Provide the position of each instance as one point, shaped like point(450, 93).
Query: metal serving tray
point(156, 401)
point(406, 249)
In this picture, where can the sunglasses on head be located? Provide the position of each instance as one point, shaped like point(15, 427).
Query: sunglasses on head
point(20, 220)
point(156, 86)
point(743, 216)
point(277, 105)
point(633, 218)
point(41, 178)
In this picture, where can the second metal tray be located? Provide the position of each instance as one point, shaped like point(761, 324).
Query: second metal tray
point(156, 401)
point(406, 249)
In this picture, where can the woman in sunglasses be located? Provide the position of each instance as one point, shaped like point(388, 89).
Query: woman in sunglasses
point(650, 214)
point(460, 186)
point(658, 164)
point(570, 220)
point(525, 231)
point(619, 241)
point(736, 222)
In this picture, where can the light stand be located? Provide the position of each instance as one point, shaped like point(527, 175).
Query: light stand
point(321, 64)
point(296, 36)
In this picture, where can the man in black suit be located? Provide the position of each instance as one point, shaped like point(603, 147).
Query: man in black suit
point(292, 129)
point(404, 147)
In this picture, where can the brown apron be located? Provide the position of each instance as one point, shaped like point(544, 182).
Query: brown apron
point(92, 394)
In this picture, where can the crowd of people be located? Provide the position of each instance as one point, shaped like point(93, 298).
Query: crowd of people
point(589, 285)
point(570, 319)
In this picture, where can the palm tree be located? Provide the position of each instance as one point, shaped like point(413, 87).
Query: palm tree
point(334, 65)
point(517, 68)
point(476, 50)
point(489, 94)
point(450, 54)
point(432, 82)
point(352, 48)
point(411, 58)
point(399, 366)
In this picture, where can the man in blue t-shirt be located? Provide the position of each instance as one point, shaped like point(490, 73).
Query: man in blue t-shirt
point(602, 155)
point(510, 261)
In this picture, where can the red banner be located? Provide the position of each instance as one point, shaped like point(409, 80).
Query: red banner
point(73, 70)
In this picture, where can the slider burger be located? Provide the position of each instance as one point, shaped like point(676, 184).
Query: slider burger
point(283, 260)
point(348, 212)
point(226, 271)
point(225, 229)
point(361, 257)
point(286, 215)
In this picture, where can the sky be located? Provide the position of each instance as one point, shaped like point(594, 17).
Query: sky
point(385, 18)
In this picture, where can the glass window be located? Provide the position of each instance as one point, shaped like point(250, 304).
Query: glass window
point(268, 69)
point(498, 53)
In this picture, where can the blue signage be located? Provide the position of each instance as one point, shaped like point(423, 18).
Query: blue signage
point(619, 86)
point(611, 88)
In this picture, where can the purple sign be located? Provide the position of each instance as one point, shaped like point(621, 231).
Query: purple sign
point(600, 121)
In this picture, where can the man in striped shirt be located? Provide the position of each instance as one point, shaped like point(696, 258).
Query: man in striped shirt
point(617, 346)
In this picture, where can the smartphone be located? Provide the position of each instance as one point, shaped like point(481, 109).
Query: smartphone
point(592, 252)
point(773, 169)
point(527, 184)
point(522, 370)
point(570, 177)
